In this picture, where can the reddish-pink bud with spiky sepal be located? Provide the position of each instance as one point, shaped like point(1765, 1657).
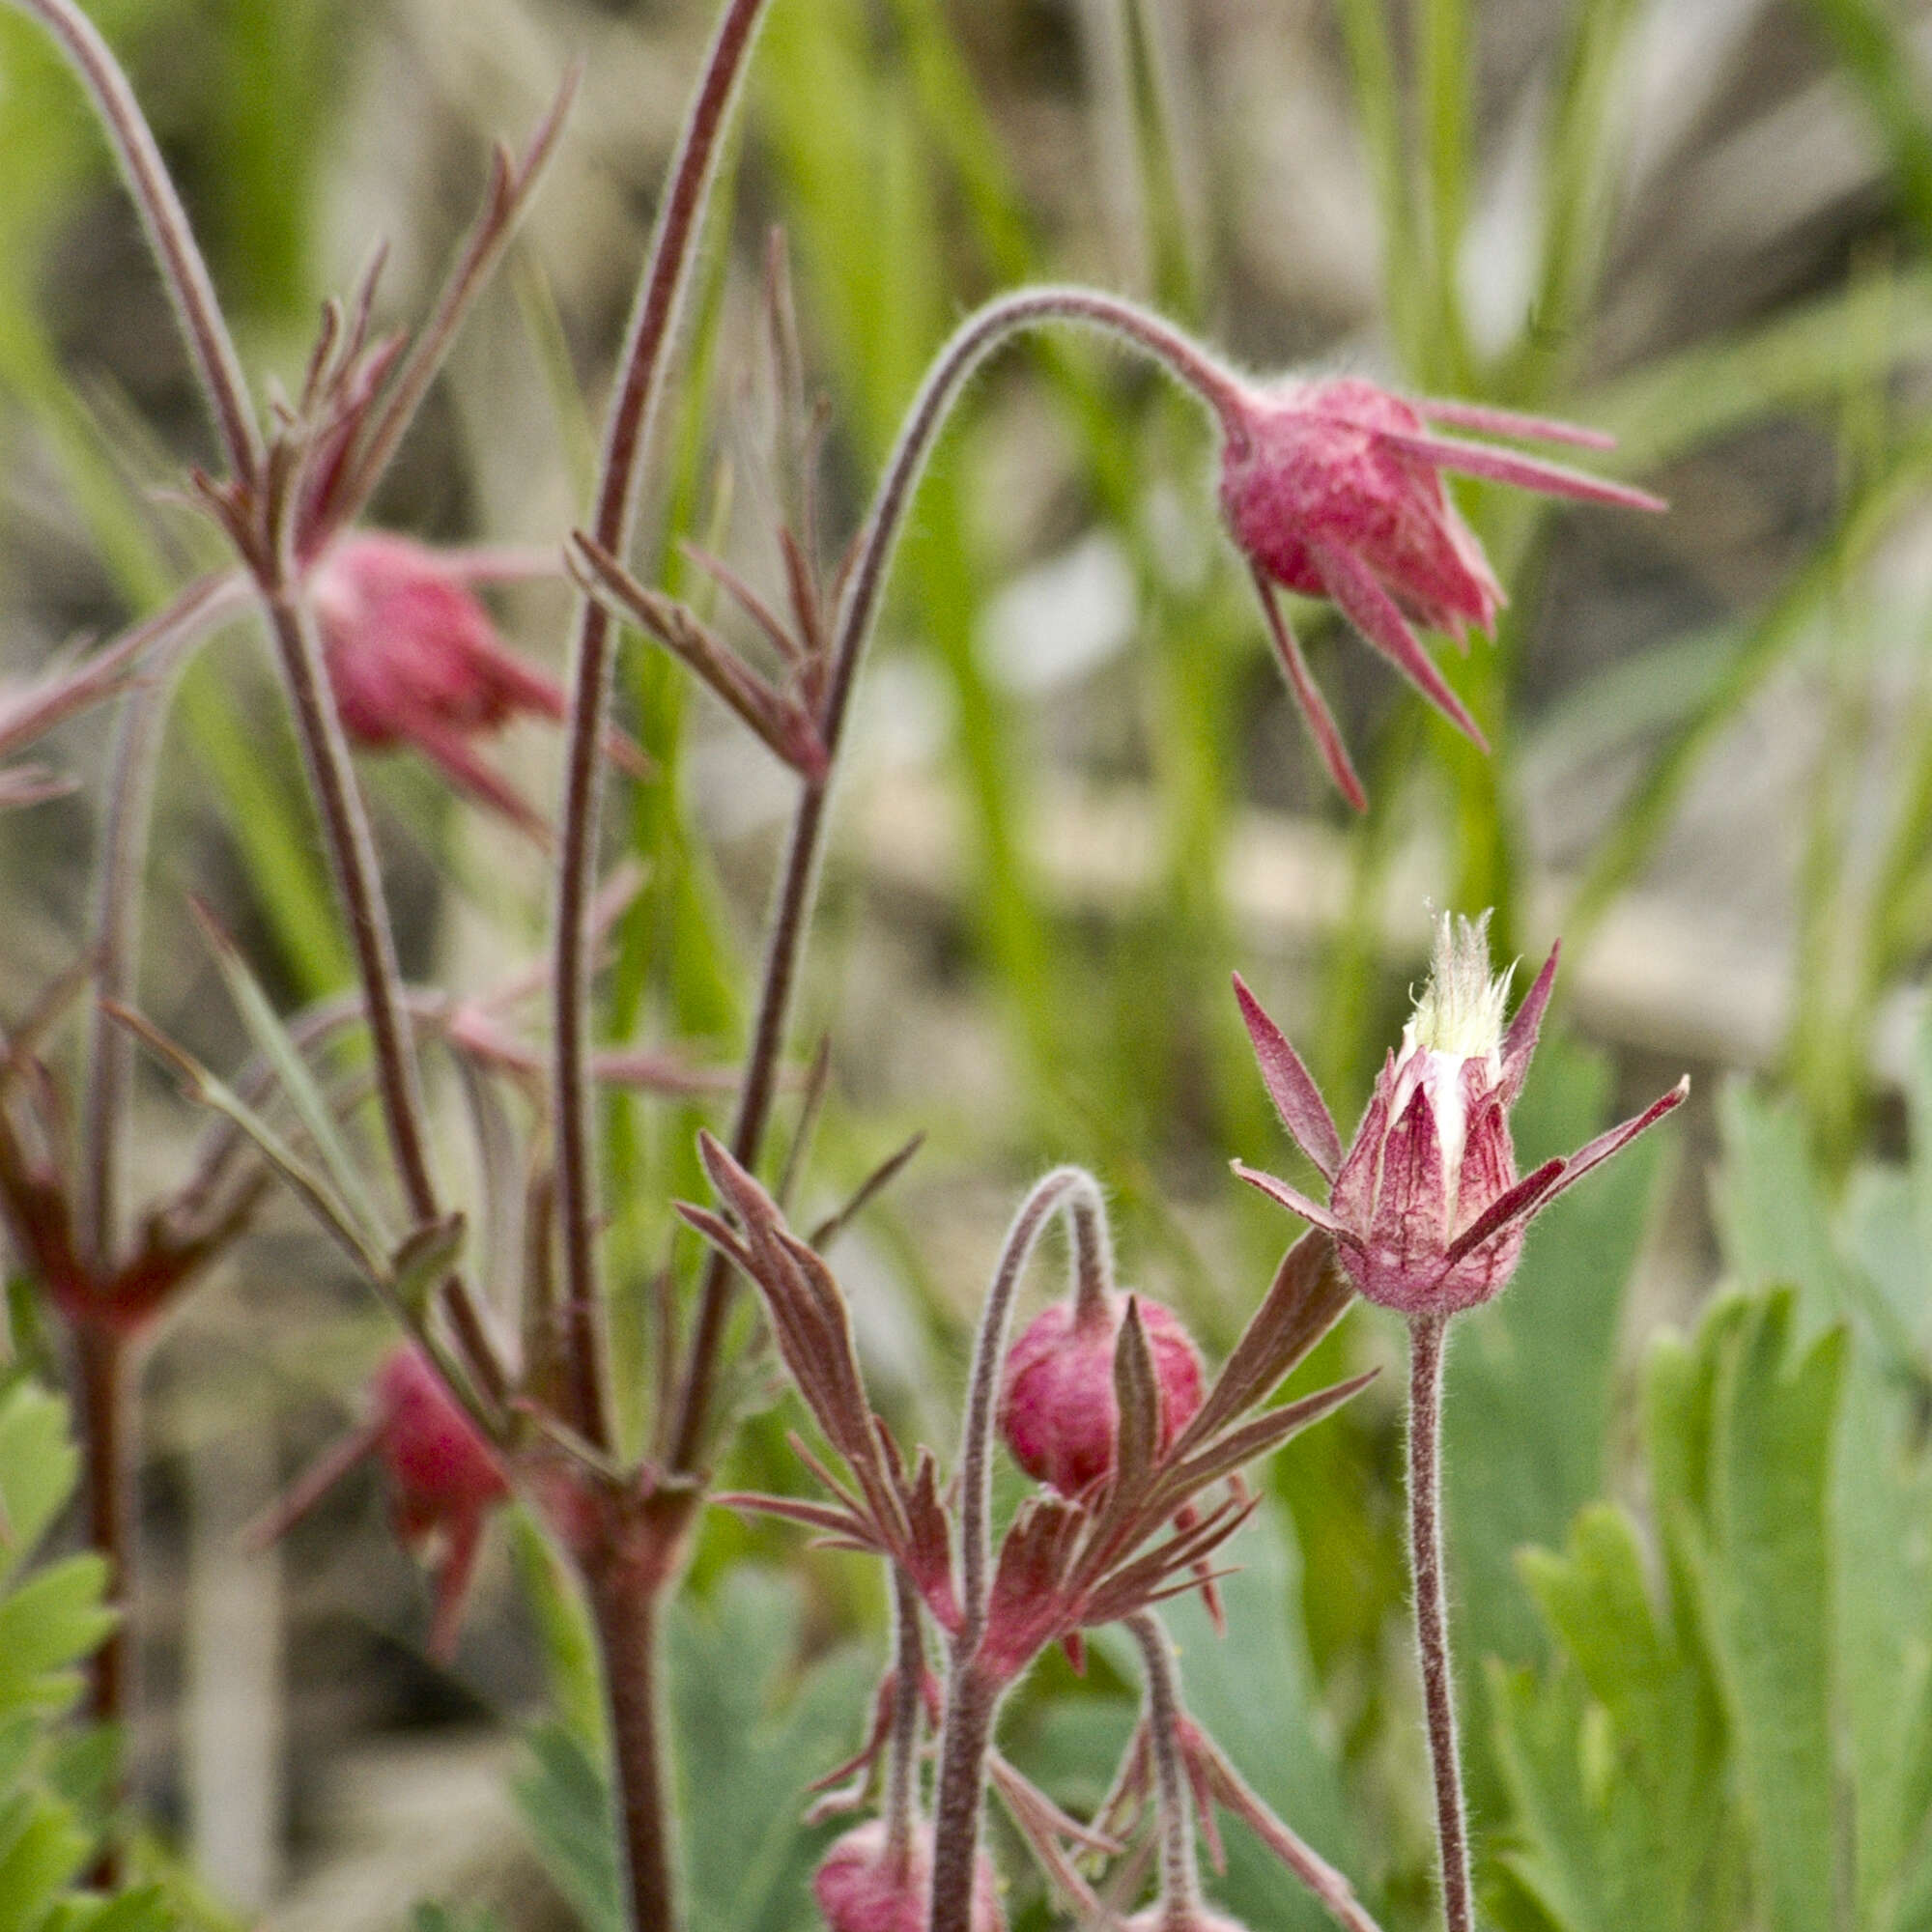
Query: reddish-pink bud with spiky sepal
point(860, 1889)
point(445, 1480)
point(1334, 489)
point(1425, 1208)
point(414, 659)
point(1059, 1413)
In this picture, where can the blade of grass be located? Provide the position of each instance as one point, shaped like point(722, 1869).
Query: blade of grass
point(1881, 63)
point(1643, 820)
point(272, 1040)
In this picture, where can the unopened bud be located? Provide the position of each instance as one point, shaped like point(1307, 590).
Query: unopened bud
point(1058, 1411)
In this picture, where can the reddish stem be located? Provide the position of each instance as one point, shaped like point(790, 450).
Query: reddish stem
point(625, 1612)
point(972, 342)
point(972, 1702)
point(1426, 1337)
point(644, 366)
point(104, 1385)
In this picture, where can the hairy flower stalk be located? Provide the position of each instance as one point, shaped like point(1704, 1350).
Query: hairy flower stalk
point(973, 1693)
point(1429, 1216)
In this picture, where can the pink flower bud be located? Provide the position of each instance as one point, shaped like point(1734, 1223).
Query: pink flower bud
point(445, 1480)
point(858, 1891)
point(1057, 1408)
point(1426, 1209)
point(414, 660)
point(1335, 489)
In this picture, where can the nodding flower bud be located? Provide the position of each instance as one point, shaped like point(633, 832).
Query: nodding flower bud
point(860, 1888)
point(443, 1476)
point(1425, 1208)
point(414, 659)
point(1334, 489)
point(445, 1480)
point(1058, 1411)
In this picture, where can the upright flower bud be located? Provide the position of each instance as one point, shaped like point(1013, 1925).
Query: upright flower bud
point(1425, 1208)
point(1058, 1411)
point(860, 1888)
point(414, 659)
point(1334, 490)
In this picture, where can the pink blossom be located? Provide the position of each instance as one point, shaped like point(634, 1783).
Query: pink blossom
point(414, 660)
point(445, 1480)
point(1425, 1208)
point(1334, 489)
point(859, 1890)
point(1058, 1411)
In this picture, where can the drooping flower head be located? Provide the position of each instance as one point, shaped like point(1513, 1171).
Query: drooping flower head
point(859, 1889)
point(1058, 1411)
point(1425, 1208)
point(1334, 489)
point(445, 1480)
point(414, 659)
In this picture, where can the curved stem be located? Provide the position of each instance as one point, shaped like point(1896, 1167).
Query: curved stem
point(989, 1354)
point(1093, 1259)
point(1427, 1336)
point(639, 389)
point(183, 270)
point(1179, 1872)
point(977, 338)
point(902, 1748)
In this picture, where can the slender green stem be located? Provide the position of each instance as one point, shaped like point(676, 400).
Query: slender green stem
point(1428, 1334)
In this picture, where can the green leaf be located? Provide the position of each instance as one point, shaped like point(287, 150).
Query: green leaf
point(36, 1861)
point(39, 1467)
point(1649, 1780)
point(298, 1081)
point(52, 1620)
point(1531, 1376)
point(566, 1804)
point(750, 1731)
point(1769, 1569)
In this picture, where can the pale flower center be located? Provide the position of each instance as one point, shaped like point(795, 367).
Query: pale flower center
point(1459, 1018)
